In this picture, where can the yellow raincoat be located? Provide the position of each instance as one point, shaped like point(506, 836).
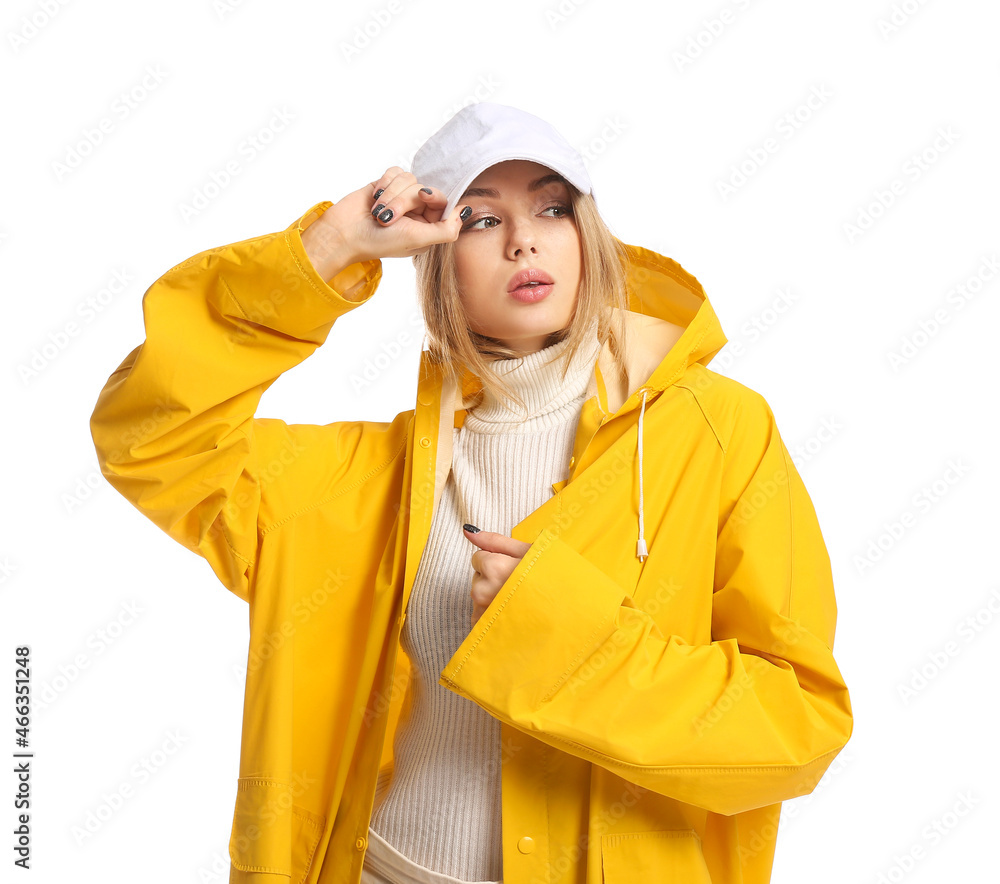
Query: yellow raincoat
point(656, 709)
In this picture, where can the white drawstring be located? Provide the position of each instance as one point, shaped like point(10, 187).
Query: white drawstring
point(640, 547)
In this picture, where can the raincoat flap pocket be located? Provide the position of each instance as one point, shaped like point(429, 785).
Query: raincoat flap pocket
point(670, 856)
point(270, 834)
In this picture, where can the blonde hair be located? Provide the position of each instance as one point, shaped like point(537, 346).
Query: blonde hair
point(602, 287)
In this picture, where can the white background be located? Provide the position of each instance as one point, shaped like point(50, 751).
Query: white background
point(664, 109)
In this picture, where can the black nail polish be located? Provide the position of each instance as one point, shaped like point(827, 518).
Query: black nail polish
point(472, 529)
point(378, 193)
point(378, 209)
point(465, 213)
point(427, 190)
point(386, 216)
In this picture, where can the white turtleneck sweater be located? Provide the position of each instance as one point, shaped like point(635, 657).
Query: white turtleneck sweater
point(442, 807)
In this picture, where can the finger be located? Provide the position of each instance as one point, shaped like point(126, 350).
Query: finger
point(433, 201)
point(492, 541)
point(398, 196)
point(481, 594)
point(479, 561)
point(379, 185)
point(394, 182)
point(420, 203)
point(384, 180)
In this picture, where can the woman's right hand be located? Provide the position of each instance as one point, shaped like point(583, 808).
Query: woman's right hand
point(349, 232)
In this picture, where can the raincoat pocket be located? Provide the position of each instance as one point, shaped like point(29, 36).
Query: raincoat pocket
point(671, 856)
point(270, 833)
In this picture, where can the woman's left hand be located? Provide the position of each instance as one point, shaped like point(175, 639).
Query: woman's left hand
point(495, 560)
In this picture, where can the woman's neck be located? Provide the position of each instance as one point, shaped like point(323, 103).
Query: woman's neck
point(537, 379)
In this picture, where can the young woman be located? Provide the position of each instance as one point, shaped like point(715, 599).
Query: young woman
point(607, 580)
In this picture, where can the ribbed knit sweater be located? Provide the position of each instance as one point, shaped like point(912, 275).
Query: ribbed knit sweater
point(442, 807)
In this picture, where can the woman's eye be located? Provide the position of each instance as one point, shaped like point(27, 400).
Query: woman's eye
point(472, 226)
point(562, 209)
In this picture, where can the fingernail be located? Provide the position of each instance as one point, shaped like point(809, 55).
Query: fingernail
point(378, 193)
point(386, 216)
point(378, 209)
point(472, 529)
point(426, 190)
point(465, 212)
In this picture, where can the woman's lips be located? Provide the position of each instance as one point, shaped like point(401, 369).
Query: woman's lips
point(530, 293)
point(529, 274)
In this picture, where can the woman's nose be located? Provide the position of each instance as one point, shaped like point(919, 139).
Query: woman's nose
point(521, 238)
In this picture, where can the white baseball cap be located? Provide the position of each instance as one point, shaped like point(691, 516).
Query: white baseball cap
point(485, 133)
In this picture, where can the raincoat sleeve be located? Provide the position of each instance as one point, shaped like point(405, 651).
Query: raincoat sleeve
point(174, 425)
point(750, 719)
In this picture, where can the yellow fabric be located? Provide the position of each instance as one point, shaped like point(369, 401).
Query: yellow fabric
point(655, 713)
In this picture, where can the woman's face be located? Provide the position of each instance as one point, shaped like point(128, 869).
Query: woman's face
point(523, 225)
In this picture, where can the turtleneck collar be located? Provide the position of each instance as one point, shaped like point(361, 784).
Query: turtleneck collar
point(537, 379)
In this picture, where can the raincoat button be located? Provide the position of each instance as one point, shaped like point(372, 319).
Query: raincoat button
point(425, 441)
point(526, 844)
point(572, 461)
point(360, 843)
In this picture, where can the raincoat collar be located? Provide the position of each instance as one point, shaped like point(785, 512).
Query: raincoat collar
point(670, 325)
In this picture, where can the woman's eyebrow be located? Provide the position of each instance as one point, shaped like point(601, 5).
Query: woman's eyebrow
point(537, 184)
